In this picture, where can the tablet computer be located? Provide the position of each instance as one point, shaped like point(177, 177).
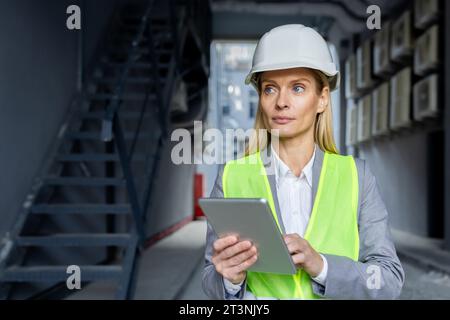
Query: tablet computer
point(252, 219)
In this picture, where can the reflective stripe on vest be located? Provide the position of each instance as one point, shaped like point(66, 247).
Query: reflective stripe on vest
point(333, 224)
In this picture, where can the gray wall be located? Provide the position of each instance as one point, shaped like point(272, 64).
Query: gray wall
point(172, 200)
point(38, 63)
point(399, 164)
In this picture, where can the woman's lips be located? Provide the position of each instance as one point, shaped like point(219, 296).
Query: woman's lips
point(282, 120)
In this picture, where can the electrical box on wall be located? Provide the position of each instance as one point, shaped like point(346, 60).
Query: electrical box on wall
point(364, 66)
point(351, 127)
point(426, 54)
point(364, 118)
point(426, 12)
point(350, 77)
point(400, 99)
point(382, 64)
point(426, 97)
point(401, 40)
point(380, 106)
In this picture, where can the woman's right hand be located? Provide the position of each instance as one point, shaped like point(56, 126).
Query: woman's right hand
point(233, 257)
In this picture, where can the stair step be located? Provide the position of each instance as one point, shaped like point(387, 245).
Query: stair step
point(134, 28)
point(124, 42)
point(160, 21)
point(95, 157)
point(95, 135)
point(83, 181)
point(123, 37)
point(153, 20)
point(81, 208)
point(129, 115)
point(160, 27)
point(135, 65)
point(59, 273)
point(135, 80)
point(125, 50)
point(75, 240)
point(125, 97)
point(131, 22)
point(141, 51)
point(163, 51)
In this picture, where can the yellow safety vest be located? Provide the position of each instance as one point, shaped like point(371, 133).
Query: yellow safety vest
point(332, 228)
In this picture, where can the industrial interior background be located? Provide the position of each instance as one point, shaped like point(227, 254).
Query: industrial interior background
point(86, 117)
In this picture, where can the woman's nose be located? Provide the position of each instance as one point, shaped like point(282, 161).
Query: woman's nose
point(282, 100)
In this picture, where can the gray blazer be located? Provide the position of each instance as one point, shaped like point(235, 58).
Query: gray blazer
point(346, 279)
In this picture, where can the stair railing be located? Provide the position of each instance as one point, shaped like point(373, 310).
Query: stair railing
point(111, 127)
point(111, 124)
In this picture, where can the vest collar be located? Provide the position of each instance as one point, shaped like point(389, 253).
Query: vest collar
point(282, 169)
point(270, 167)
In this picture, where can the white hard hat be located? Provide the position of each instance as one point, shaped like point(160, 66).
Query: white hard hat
point(293, 46)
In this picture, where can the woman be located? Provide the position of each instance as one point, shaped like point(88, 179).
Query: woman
point(328, 207)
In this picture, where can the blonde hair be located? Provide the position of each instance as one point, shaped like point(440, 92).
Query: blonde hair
point(323, 126)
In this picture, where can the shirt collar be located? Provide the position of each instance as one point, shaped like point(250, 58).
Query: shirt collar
point(282, 170)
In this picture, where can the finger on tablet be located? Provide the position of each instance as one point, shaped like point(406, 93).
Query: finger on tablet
point(224, 242)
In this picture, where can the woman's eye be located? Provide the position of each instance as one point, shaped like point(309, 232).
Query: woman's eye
point(299, 89)
point(268, 90)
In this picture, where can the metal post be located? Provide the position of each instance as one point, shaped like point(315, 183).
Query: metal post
point(446, 108)
point(131, 185)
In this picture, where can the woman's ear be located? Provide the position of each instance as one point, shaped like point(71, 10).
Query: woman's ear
point(323, 99)
point(321, 107)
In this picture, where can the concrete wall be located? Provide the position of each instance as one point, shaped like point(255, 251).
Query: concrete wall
point(172, 200)
point(401, 166)
point(38, 64)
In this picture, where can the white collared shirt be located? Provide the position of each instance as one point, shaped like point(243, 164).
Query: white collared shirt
point(294, 194)
point(294, 198)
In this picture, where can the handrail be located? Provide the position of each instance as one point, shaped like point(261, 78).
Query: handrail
point(174, 26)
point(163, 100)
point(111, 126)
point(113, 107)
point(156, 78)
point(175, 66)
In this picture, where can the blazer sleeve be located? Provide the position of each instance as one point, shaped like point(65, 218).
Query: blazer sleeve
point(212, 281)
point(348, 279)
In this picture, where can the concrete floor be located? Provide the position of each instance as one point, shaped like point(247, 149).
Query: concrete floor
point(164, 268)
point(424, 284)
point(419, 284)
point(172, 269)
point(193, 289)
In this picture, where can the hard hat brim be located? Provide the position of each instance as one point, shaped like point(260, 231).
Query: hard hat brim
point(333, 75)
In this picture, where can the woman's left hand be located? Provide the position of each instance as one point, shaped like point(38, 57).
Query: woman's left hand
point(303, 255)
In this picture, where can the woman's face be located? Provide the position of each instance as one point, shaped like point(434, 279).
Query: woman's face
point(289, 101)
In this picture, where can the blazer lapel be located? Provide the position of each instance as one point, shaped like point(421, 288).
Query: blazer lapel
point(266, 159)
point(317, 167)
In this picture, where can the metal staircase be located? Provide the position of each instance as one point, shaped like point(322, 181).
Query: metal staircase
point(88, 207)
